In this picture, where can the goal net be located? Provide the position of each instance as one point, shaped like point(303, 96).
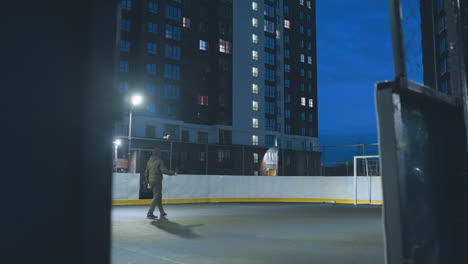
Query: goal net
point(367, 180)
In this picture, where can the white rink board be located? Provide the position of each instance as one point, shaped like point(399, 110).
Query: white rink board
point(222, 186)
point(125, 186)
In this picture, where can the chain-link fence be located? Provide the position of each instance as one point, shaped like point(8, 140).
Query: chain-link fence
point(339, 160)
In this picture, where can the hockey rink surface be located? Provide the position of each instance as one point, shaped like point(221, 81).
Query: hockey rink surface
point(248, 233)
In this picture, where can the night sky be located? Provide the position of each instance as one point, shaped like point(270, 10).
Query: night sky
point(353, 52)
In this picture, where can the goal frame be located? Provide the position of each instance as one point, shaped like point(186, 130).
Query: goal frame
point(355, 158)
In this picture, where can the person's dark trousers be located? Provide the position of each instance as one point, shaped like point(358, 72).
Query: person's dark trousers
point(157, 195)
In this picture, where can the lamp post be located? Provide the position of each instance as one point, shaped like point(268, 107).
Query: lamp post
point(117, 143)
point(134, 101)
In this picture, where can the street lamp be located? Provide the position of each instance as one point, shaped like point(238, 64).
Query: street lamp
point(134, 101)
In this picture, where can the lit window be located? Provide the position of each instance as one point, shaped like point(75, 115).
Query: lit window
point(311, 102)
point(255, 157)
point(254, 71)
point(303, 101)
point(203, 99)
point(255, 122)
point(287, 23)
point(254, 140)
point(309, 59)
point(301, 2)
point(255, 38)
point(224, 46)
point(254, 54)
point(186, 22)
point(203, 45)
point(254, 105)
point(309, 4)
point(255, 88)
point(254, 6)
point(302, 58)
point(254, 22)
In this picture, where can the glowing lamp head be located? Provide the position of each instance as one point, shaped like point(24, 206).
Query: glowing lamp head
point(136, 99)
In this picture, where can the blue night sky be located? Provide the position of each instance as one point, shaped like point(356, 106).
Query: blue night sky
point(353, 53)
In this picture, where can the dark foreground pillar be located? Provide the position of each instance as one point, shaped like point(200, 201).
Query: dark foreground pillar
point(57, 113)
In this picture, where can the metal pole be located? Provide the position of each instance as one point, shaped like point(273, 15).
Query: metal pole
point(170, 157)
point(355, 181)
point(243, 160)
point(206, 163)
point(368, 179)
point(397, 39)
point(129, 138)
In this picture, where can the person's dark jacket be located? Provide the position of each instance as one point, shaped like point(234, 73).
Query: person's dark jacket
point(155, 169)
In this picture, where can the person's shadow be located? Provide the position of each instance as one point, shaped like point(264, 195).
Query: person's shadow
point(174, 228)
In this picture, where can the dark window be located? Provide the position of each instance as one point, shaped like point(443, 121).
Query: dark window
point(123, 66)
point(171, 72)
point(172, 32)
point(270, 75)
point(270, 91)
point(151, 68)
point(203, 137)
point(270, 124)
point(152, 28)
point(269, 42)
point(171, 91)
point(173, 13)
point(269, 58)
point(125, 25)
point(124, 45)
point(185, 136)
point(126, 5)
point(151, 47)
point(269, 11)
point(270, 108)
point(225, 137)
point(172, 52)
point(270, 140)
point(152, 7)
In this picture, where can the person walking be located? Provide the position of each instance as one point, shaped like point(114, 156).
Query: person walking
point(154, 177)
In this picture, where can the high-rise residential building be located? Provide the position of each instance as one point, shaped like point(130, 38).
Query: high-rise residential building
point(237, 76)
point(441, 44)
